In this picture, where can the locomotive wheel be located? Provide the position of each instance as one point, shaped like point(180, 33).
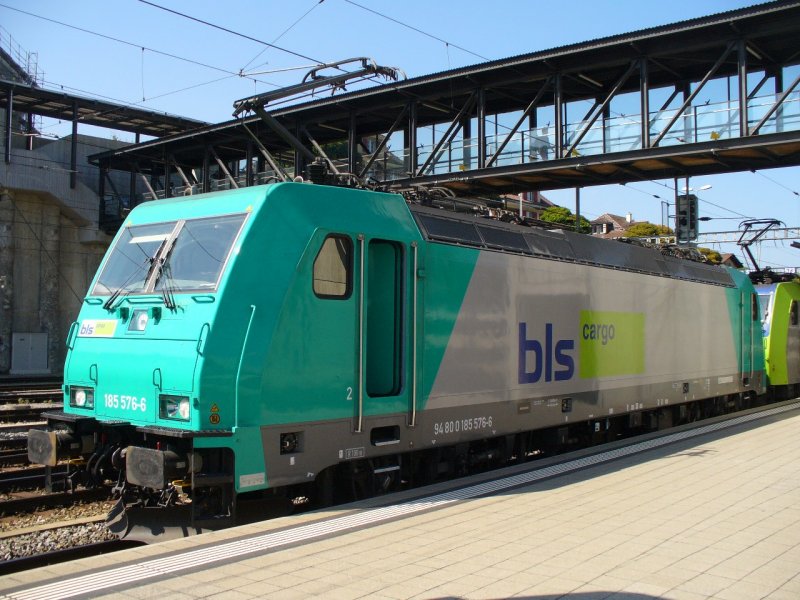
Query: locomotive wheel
point(323, 489)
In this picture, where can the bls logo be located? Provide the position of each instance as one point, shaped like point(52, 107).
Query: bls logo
point(543, 358)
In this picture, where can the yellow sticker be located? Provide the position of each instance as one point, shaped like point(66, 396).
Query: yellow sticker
point(214, 419)
point(214, 408)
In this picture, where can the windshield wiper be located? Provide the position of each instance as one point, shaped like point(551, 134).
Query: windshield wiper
point(109, 304)
point(164, 270)
point(167, 290)
point(123, 289)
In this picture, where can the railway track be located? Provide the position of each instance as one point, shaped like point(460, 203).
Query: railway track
point(15, 565)
point(23, 400)
point(15, 384)
point(18, 444)
point(13, 457)
point(22, 395)
point(30, 478)
point(25, 413)
point(28, 503)
point(13, 442)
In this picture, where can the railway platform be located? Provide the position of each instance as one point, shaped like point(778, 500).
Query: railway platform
point(709, 511)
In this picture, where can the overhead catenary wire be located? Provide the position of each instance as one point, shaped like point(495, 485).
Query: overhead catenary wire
point(231, 31)
point(142, 48)
point(406, 25)
point(778, 183)
point(635, 189)
point(121, 41)
point(672, 189)
point(128, 104)
point(282, 33)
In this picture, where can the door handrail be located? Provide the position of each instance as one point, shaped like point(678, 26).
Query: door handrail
point(360, 415)
point(414, 339)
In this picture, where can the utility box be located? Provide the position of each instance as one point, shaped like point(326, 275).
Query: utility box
point(29, 353)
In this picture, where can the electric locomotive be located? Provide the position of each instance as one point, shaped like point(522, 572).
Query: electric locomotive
point(780, 317)
point(325, 343)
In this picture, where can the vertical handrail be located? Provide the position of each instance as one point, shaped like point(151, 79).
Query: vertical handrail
point(71, 335)
point(158, 379)
point(239, 368)
point(413, 422)
point(741, 331)
point(752, 338)
point(360, 416)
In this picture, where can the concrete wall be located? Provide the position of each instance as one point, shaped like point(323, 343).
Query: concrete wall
point(50, 246)
point(58, 151)
point(45, 270)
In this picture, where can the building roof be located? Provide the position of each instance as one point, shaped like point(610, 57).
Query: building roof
point(27, 98)
point(617, 220)
point(731, 260)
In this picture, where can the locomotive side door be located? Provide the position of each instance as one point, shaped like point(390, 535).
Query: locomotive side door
point(384, 325)
point(793, 344)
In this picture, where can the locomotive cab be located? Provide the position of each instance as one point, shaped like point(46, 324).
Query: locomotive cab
point(228, 339)
point(133, 374)
point(780, 319)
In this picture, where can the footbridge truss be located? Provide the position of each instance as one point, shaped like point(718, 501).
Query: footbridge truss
point(710, 95)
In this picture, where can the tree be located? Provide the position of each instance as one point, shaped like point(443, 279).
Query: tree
point(563, 216)
point(645, 229)
point(713, 256)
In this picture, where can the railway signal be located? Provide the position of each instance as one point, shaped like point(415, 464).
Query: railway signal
point(686, 218)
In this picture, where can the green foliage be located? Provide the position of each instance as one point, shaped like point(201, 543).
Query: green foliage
point(563, 216)
point(645, 229)
point(713, 256)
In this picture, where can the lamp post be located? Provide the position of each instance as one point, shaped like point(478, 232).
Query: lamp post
point(665, 212)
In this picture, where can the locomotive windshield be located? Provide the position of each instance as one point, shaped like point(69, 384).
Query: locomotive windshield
point(173, 256)
point(130, 262)
point(764, 300)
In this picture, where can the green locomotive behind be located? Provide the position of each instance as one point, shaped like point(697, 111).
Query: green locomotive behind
point(313, 342)
point(780, 316)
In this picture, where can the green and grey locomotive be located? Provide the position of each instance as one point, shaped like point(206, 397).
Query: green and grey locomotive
point(314, 342)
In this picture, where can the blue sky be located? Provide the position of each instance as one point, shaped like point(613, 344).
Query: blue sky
point(136, 68)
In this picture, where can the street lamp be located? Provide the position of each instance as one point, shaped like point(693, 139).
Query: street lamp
point(702, 188)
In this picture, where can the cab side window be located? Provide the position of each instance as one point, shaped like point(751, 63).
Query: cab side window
point(333, 268)
point(793, 315)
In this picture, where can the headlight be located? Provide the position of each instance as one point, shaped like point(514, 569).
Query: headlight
point(139, 320)
point(81, 397)
point(174, 407)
